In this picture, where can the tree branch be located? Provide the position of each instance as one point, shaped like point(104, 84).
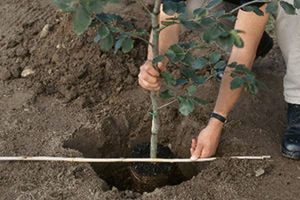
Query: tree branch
point(247, 4)
point(144, 5)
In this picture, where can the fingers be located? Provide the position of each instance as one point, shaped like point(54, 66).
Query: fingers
point(149, 86)
point(162, 66)
point(198, 150)
point(149, 77)
point(148, 67)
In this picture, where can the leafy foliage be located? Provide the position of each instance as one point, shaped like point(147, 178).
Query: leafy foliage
point(114, 32)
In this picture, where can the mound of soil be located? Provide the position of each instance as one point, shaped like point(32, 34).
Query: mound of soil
point(80, 101)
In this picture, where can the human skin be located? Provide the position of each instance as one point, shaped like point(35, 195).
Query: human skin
point(148, 76)
point(208, 139)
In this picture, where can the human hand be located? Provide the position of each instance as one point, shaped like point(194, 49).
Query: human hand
point(207, 142)
point(149, 77)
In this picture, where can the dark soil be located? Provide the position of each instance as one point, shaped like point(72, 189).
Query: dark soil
point(150, 169)
point(80, 96)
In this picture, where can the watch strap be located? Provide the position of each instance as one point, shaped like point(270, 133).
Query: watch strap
point(219, 117)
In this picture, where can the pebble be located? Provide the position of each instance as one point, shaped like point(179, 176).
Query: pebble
point(45, 31)
point(16, 71)
point(27, 72)
point(259, 172)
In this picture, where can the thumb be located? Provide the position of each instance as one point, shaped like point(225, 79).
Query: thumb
point(162, 66)
point(197, 152)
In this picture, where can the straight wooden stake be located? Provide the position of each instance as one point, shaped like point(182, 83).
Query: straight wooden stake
point(111, 160)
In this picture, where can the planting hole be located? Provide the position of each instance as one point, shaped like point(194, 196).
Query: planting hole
point(99, 145)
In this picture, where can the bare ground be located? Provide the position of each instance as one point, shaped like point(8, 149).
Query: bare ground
point(83, 102)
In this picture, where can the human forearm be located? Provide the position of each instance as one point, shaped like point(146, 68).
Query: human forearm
point(167, 37)
point(253, 26)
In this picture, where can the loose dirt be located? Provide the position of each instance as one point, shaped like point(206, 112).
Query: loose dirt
point(82, 102)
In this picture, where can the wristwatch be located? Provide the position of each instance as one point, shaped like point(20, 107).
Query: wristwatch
point(219, 117)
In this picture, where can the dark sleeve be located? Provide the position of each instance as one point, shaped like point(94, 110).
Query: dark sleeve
point(162, 1)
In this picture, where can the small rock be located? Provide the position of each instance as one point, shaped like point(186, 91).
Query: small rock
point(103, 97)
point(21, 52)
point(45, 31)
point(16, 71)
point(27, 72)
point(129, 80)
point(12, 44)
point(119, 89)
point(259, 172)
point(82, 102)
point(4, 74)
point(70, 95)
point(56, 58)
point(134, 71)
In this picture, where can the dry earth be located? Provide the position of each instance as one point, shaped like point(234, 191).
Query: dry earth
point(83, 102)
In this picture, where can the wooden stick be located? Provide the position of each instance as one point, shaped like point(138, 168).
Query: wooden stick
point(110, 160)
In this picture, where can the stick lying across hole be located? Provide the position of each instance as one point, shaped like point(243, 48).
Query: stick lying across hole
point(107, 160)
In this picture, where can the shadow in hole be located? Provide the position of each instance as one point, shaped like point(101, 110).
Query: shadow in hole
point(96, 145)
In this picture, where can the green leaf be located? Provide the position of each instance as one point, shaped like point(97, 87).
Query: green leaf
point(127, 44)
point(175, 53)
point(189, 73)
point(107, 43)
point(214, 57)
point(114, 1)
point(200, 63)
point(219, 14)
point(191, 24)
point(181, 7)
point(199, 80)
point(183, 16)
point(168, 23)
point(236, 83)
point(207, 21)
point(166, 94)
point(261, 85)
point(199, 12)
point(272, 7)
point(192, 90)
point(297, 4)
point(251, 89)
point(103, 31)
point(97, 38)
point(158, 59)
point(188, 45)
point(168, 78)
point(65, 5)
point(288, 8)
point(220, 65)
point(250, 78)
point(113, 29)
point(181, 81)
point(188, 59)
point(186, 106)
point(229, 18)
point(199, 101)
point(169, 8)
point(238, 42)
point(206, 36)
point(255, 10)
point(118, 45)
point(217, 30)
point(81, 20)
point(95, 6)
point(225, 42)
point(212, 3)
